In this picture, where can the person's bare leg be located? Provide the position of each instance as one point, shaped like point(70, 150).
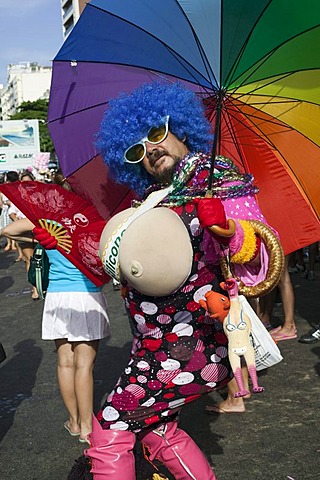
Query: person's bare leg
point(313, 250)
point(232, 404)
point(254, 304)
point(20, 253)
point(266, 304)
point(287, 297)
point(300, 262)
point(66, 379)
point(9, 245)
point(84, 358)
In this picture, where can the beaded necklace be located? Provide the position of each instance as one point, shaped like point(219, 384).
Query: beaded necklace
point(190, 181)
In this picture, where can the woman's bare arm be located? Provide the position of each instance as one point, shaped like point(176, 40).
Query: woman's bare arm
point(19, 230)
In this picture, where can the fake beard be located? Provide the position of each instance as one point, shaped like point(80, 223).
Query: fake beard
point(165, 175)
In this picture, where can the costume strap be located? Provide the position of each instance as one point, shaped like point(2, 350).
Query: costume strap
point(110, 255)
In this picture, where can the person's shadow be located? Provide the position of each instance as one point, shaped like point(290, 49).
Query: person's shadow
point(110, 363)
point(5, 283)
point(17, 379)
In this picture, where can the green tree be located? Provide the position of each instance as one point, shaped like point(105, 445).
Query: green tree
point(37, 110)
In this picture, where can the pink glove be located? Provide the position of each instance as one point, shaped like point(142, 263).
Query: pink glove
point(47, 240)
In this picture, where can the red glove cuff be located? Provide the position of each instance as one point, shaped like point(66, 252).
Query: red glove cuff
point(47, 240)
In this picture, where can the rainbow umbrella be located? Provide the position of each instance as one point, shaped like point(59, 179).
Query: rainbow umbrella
point(255, 64)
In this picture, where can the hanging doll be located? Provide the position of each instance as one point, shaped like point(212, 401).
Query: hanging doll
point(237, 327)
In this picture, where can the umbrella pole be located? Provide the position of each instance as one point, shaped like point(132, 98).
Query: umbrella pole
point(215, 141)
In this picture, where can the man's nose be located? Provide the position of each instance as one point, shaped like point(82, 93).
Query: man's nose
point(150, 148)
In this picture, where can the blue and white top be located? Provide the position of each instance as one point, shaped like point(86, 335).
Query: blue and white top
point(65, 277)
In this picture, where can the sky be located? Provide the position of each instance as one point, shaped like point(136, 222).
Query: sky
point(31, 31)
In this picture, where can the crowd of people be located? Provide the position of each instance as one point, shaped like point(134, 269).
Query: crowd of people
point(158, 141)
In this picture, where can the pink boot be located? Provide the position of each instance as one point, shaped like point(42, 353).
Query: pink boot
point(178, 452)
point(111, 453)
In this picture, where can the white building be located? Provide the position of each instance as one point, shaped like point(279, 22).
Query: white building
point(30, 81)
point(71, 11)
point(26, 82)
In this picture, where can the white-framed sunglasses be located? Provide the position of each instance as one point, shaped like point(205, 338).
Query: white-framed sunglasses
point(137, 151)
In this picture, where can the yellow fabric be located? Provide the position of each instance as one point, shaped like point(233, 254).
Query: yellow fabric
point(301, 116)
point(248, 248)
point(304, 85)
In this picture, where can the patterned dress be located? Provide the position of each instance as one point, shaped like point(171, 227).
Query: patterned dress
point(178, 354)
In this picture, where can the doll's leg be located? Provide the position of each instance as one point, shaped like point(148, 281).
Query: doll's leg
point(237, 372)
point(250, 359)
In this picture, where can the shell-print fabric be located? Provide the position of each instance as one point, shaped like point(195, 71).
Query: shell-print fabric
point(177, 354)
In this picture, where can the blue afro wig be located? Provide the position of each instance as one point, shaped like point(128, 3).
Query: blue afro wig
point(129, 117)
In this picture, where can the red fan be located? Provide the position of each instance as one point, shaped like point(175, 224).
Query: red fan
point(73, 221)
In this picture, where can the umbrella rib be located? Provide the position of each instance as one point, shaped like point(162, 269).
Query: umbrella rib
point(268, 102)
point(246, 126)
point(283, 158)
point(178, 57)
point(283, 124)
point(77, 111)
point(268, 55)
point(251, 92)
point(280, 102)
point(204, 59)
point(202, 54)
point(258, 65)
point(228, 123)
point(241, 52)
point(296, 103)
point(287, 99)
point(263, 136)
point(266, 138)
point(269, 121)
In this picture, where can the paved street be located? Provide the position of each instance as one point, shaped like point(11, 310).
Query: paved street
point(278, 438)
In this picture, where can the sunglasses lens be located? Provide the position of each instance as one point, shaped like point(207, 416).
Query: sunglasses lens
point(157, 134)
point(135, 153)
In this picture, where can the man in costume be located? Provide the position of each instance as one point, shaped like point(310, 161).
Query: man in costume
point(154, 138)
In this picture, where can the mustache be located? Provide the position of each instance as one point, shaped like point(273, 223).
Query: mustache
point(155, 155)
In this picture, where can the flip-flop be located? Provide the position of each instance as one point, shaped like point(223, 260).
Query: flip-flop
point(215, 409)
point(85, 440)
point(67, 427)
point(278, 336)
point(274, 330)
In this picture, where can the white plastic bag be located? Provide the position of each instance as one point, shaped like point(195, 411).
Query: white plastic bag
point(266, 351)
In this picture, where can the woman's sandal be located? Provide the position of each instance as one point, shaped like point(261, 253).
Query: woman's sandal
point(85, 440)
point(67, 427)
